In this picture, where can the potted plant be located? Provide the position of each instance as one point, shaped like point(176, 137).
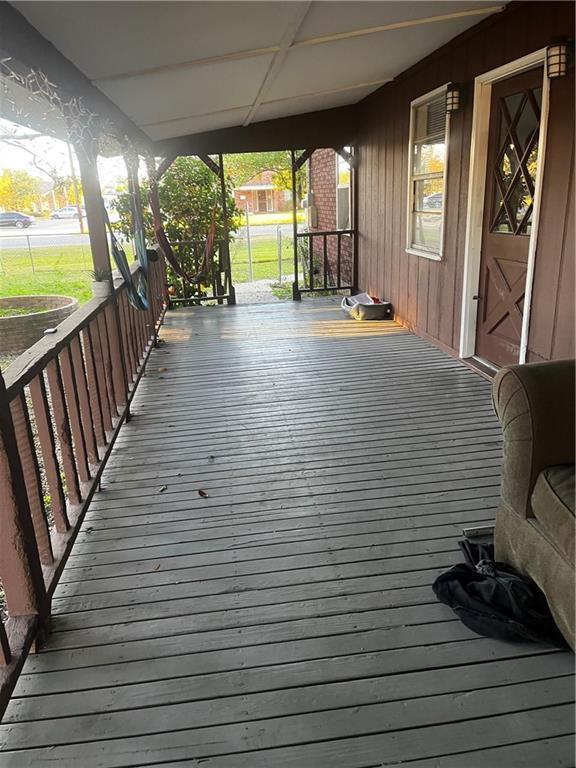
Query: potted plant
point(101, 283)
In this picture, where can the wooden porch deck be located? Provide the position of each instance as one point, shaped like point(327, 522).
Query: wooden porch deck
point(286, 619)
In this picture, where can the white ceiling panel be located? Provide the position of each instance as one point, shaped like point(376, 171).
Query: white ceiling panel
point(360, 59)
point(328, 18)
point(150, 58)
point(106, 38)
point(314, 103)
point(168, 130)
point(187, 93)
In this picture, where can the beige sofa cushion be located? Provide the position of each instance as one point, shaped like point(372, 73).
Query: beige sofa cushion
point(553, 507)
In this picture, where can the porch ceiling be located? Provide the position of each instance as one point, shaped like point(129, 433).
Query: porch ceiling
point(180, 68)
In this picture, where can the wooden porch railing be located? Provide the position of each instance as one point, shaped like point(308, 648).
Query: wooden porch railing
point(62, 404)
point(218, 283)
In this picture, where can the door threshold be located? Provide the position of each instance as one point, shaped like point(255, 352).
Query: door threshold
point(483, 367)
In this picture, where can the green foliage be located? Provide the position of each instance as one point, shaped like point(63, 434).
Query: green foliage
point(189, 195)
point(189, 192)
point(18, 190)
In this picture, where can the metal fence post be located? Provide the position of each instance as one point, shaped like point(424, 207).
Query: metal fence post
point(30, 252)
point(279, 248)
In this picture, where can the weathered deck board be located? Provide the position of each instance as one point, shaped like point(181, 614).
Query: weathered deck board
point(286, 619)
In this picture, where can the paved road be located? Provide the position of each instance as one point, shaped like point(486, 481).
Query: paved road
point(45, 233)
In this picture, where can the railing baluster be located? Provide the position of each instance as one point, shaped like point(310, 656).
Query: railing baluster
point(128, 341)
point(98, 392)
point(94, 393)
point(118, 375)
point(339, 261)
point(325, 245)
point(22, 577)
point(5, 653)
point(63, 431)
point(80, 376)
point(107, 363)
point(311, 262)
point(32, 477)
point(48, 448)
point(73, 412)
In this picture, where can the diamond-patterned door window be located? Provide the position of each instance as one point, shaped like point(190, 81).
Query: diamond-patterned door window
point(516, 162)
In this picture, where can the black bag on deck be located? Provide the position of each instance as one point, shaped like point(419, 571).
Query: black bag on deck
point(493, 600)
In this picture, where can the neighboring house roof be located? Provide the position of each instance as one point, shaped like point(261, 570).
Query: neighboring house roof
point(249, 187)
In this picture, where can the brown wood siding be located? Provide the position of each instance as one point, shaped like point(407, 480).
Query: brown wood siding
point(427, 294)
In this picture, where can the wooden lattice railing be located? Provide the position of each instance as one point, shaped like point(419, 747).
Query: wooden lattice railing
point(62, 404)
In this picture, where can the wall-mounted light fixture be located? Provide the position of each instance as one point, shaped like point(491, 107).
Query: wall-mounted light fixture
point(452, 98)
point(557, 60)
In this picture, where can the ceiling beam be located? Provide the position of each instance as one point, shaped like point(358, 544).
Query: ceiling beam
point(322, 40)
point(273, 49)
point(301, 9)
point(336, 127)
point(20, 41)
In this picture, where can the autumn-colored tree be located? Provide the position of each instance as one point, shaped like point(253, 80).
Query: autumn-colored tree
point(18, 190)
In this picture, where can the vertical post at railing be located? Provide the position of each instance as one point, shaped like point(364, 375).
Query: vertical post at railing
point(132, 166)
point(32, 477)
point(279, 249)
point(325, 259)
point(339, 261)
point(30, 253)
point(311, 262)
point(21, 572)
point(96, 216)
point(226, 235)
point(295, 288)
point(355, 265)
point(48, 447)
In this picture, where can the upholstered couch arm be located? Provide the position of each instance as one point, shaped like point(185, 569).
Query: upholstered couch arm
point(535, 405)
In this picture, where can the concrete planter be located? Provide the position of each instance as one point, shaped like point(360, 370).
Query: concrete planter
point(19, 332)
point(100, 290)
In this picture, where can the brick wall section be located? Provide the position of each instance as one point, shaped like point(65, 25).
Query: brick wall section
point(323, 187)
point(18, 333)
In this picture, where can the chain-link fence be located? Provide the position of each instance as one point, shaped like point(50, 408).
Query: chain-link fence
point(262, 253)
point(59, 263)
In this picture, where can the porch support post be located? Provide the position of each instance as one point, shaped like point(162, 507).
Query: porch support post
point(355, 264)
point(225, 254)
point(20, 566)
point(218, 169)
point(296, 296)
point(96, 217)
point(132, 166)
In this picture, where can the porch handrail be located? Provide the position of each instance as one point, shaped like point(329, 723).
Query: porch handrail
point(62, 403)
point(336, 265)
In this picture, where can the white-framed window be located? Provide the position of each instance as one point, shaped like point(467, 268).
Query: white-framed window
point(342, 192)
point(427, 174)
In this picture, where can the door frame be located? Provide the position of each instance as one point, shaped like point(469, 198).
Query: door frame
point(476, 191)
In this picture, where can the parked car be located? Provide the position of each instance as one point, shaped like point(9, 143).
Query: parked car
point(434, 201)
point(68, 212)
point(15, 219)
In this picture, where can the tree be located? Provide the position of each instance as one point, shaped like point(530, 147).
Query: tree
point(18, 190)
point(189, 195)
point(241, 169)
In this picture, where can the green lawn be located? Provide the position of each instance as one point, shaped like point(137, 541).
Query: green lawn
point(282, 217)
point(65, 270)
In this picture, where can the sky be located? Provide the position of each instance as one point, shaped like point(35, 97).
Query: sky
point(112, 170)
